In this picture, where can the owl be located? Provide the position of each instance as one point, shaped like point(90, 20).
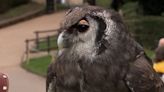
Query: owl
point(98, 54)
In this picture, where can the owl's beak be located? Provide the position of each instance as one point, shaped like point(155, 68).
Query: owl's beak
point(60, 41)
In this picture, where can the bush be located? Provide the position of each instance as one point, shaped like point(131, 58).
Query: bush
point(152, 7)
point(103, 3)
point(5, 5)
point(126, 1)
point(14, 3)
point(147, 30)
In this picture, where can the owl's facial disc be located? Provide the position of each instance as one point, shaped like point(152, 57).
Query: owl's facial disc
point(81, 27)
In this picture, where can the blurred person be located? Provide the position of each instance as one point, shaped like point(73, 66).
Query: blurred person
point(159, 58)
point(161, 42)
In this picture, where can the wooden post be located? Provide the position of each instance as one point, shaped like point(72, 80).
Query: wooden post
point(50, 6)
point(27, 51)
point(55, 5)
point(48, 44)
point(37, 40)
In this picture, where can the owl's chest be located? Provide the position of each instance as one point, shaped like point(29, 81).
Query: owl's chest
point(89, 77)
point(72, 74)
point(95, 74)
point(68, 74)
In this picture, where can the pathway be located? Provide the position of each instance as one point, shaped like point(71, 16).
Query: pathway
point(12, 47)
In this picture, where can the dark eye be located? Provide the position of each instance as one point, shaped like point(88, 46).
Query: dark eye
point(82, 27)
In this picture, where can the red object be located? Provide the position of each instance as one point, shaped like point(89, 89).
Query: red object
point(4, 83)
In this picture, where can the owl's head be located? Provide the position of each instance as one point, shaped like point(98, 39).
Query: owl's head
point(90, 30)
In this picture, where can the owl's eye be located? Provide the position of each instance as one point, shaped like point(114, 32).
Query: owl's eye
point(82, 26)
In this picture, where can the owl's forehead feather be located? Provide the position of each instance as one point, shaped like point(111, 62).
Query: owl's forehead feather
point(76, 14)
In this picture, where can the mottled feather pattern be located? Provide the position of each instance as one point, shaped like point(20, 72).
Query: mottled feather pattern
point(102, 58)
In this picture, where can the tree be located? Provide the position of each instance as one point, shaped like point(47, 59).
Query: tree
point(50, 6)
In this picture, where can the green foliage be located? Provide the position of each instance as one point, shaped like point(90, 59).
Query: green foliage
point(127, 1)
point(5, 5)
point(38, 65)
point(129, 10)
point(20, 10)
point(146, 29)
point(150, 53)
point(149, 30)
point(60, 7)
point(14, 3)
point(152, 7)
point(103, 3)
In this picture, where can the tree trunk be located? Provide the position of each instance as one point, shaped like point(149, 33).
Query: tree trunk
point(90, 2)
point(50, 6)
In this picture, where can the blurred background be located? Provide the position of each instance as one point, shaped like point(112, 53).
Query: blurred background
point(29, 28)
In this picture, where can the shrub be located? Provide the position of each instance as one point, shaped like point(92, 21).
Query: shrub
point(147, 30)
point(152, 7)
point(7, 4)
point(4, 5)
point(14, 3)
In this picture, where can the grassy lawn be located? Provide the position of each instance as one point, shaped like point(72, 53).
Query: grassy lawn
point(38, 65)
point(20, 10)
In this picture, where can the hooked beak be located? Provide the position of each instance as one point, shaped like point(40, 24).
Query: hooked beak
point(60, 41)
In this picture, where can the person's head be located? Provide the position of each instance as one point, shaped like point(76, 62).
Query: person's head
point(161, 42)
point(159, 53)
